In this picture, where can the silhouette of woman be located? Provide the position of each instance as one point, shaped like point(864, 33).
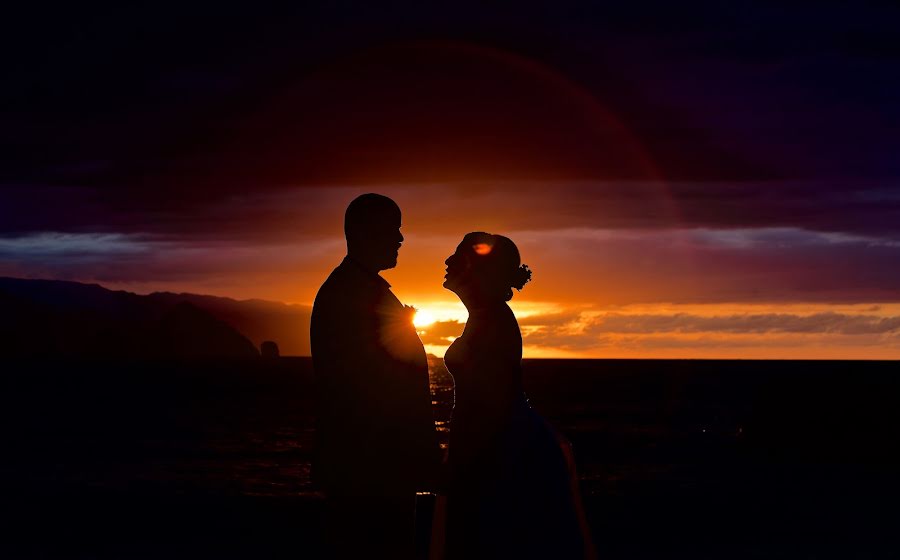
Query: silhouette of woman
point(512, 491)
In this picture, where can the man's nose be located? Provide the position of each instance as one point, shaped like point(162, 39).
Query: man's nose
point(400, 237)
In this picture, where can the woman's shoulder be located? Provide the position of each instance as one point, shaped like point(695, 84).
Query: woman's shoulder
point(496, 328)
point(508, 320)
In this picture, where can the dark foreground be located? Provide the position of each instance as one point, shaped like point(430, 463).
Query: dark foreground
point(683, 459)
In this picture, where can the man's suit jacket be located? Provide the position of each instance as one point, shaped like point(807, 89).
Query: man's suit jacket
point(375, 429)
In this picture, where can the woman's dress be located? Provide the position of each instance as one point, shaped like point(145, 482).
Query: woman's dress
point(512, 492)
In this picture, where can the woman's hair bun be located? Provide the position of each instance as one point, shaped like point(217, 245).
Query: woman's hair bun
point(521, 276)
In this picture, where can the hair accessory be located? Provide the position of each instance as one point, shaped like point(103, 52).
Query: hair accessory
point(521, 277)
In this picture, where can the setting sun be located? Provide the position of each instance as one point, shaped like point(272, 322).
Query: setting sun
point(423, 318)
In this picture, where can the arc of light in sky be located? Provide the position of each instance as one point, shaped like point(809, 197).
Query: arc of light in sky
point(601, 116)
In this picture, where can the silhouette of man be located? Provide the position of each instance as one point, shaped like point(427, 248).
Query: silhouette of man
point(376, 444)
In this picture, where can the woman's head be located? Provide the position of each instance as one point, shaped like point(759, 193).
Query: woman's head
point(485, 268)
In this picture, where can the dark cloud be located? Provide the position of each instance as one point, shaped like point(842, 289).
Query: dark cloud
point(851, 206)
point(865, 209)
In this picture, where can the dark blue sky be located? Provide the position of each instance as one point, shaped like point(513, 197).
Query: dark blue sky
point(737, 90)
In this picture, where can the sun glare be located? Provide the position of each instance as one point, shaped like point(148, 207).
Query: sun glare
point(423, 318)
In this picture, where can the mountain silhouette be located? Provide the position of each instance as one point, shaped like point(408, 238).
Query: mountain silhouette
point(50, 318)
point(285, 324)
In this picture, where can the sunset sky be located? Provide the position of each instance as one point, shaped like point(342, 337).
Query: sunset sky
point(719, 181)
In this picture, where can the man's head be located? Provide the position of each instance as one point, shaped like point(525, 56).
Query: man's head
point(372, 227)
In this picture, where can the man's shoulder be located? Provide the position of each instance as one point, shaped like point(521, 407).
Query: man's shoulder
point(343, 287)
point(337, 277)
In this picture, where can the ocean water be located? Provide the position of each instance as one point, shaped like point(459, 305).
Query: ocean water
point(693, 459)
point(635, 426)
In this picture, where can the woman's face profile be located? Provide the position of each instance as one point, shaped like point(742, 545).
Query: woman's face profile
point(458, 267)
point(465, 277)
